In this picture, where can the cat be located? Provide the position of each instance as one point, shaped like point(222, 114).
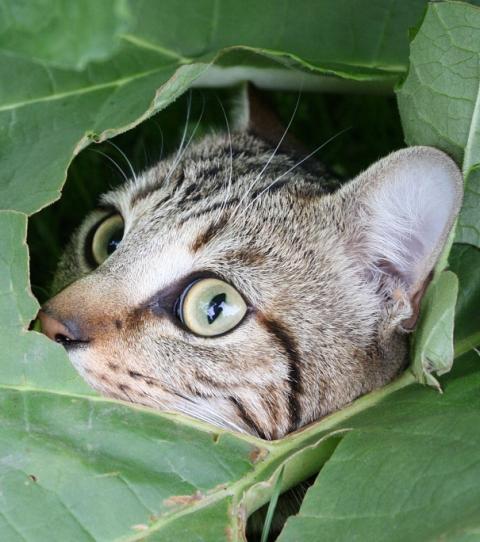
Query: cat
point(237, 283)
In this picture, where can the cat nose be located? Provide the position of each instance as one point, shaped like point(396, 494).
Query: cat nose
point(67, 334)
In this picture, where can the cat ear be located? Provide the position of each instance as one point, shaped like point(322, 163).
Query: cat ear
point(403, 208)
point(254, 114)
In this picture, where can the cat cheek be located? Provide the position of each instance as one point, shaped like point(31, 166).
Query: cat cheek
point(91, 370)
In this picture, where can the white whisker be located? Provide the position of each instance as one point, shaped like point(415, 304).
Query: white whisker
point(159, 128)
point(202, 410)
point(277, 179)
point(124, 175)
point(229, 182)
point(183, 148)
point(254, 182)
point(124, 157)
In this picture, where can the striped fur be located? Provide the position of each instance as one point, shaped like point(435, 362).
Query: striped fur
point(321, 328)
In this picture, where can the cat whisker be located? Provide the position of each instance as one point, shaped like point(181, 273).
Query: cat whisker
point(145, 154)
point(201, 410)
point(182, 140)
point(183, 148)
point(125, 157)
point(227, 423)
point(289, 170)
point(262, 171)
point(157, 401)
point(229, 182)
point(159, 128)
point(114, 162)
point(185, 128)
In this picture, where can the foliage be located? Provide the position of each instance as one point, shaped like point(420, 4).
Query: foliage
point(399, 463)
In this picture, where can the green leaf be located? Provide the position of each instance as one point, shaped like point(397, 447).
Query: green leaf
point(139, 56)
point(17, 306)
point(408, 470)
point(468, 227)
point(63, 34)
point(440, 99)
point(432, 349)
point(440, 105)
point(464, 260)
point(27, 359)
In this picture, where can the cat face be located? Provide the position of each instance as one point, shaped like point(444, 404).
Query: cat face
point(230, 285)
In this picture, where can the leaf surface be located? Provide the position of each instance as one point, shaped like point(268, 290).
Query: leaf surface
point(408, 470)
point(468, 228)
point(440, 99)
point(432, 348)
point(465, 262)
point(439, 104)
point(75, 82)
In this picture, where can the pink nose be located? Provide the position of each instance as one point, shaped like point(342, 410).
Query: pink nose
point(55, 330)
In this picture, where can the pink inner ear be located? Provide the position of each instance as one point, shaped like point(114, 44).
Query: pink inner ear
point(412, 204)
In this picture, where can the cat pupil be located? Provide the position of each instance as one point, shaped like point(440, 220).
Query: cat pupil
point(114, 241)
point(215, 307)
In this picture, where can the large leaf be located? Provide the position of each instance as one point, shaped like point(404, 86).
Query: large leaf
point(139, 56)
point(408, 470)
point(440, 99)
point(468, 228)
point(27, 359)
point(465, 262)
point(63, 34)
point(439, 105)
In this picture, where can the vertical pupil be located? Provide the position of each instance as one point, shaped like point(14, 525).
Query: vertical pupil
point(114, 241)
point(215, 307)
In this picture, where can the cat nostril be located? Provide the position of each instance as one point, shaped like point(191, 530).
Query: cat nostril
point(57, 331)
point(62, 339)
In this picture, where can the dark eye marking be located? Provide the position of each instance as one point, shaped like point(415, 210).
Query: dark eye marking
point(285, 340)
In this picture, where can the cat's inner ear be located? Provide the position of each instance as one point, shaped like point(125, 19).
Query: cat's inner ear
point(253, 113)
point(404, 207)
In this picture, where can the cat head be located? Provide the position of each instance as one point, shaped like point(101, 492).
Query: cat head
point(236, 286)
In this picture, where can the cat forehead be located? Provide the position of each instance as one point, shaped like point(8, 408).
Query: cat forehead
point(203, 167)
point(210, 209)
point(217, 174)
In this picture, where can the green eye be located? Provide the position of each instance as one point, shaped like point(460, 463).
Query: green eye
point(106, 238)
point(211, 307)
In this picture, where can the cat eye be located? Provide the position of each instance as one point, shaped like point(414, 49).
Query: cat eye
point(106, 238)
point(210, 307)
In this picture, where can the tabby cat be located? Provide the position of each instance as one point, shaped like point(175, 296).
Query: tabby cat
point(237, 283)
